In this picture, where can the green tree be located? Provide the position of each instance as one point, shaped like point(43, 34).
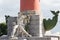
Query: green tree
point(3, 29)
point(51, 23)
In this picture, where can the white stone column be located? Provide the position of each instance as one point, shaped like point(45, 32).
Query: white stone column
point(41, 25)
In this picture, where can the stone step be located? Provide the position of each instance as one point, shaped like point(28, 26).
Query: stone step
point(28, 38)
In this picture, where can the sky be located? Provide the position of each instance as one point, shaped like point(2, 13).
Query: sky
point(11, 7)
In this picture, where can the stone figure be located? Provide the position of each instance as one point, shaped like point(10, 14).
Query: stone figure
point(20, 28)
point(14, 29)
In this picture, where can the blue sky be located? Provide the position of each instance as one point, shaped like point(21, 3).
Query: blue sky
point(11, 7)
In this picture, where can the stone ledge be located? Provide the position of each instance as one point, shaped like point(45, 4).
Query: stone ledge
point(39, 38)
point(27, 38)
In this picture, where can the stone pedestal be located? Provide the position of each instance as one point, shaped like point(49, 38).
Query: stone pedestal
point(39, 38)
point(28, 38)
point(34, 28)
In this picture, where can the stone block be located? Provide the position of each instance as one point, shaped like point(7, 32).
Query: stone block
point(27, 38)
point(34, 29)
point(14, 38)
point(34, 22)
point(35, 17)
point(10, 25)
point(39, 38)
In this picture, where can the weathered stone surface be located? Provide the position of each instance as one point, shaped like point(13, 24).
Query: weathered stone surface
point(10, 25)
point(39, 38)
point(34, 25)
point(28, 38)
point(35, 17)
point(14, 38)
point(34, 28)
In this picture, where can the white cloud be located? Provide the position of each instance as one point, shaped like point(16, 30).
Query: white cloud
point(59, 14)
point(46, 2)
point(47, 5)
point(8, 7)
point(1, 2)
point(50, 2)
point(11, 2)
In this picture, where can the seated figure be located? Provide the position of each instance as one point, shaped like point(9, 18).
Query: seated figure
point(20, 27)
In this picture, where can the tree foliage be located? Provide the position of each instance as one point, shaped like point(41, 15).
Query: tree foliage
point(3, 29)
point(51, 23)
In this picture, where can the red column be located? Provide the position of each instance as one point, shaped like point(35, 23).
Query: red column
point(29, 5)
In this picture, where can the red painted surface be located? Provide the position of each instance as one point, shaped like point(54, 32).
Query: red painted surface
point(29, 5)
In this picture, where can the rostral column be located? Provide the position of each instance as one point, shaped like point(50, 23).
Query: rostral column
point(33, 7)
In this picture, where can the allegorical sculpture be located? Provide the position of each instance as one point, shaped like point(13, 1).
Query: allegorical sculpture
point(29, 22)
point(20, 28)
